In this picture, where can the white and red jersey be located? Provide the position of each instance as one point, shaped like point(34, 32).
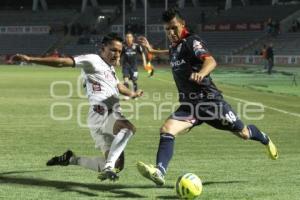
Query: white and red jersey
point(101, 80)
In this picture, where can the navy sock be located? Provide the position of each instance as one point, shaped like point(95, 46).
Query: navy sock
point(135, 86)
point(126, 84)
point(165, 151)
point(256, 134)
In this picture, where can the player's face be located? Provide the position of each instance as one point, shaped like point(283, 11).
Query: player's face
point(111, 53)
point(173, 29)
point(129, 39)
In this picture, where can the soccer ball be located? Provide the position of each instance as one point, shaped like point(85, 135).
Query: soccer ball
point(188, 186)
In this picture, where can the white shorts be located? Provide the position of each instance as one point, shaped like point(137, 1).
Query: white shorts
point(101, 128)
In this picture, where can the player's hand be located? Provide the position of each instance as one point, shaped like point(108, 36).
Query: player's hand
point(197, 77)
point(20, 58)
point(138, 93)
point(144, 42)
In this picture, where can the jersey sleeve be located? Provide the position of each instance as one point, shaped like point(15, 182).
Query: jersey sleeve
point(84, 61)
point(140, 49)
point(199, 48)
point(123, 51)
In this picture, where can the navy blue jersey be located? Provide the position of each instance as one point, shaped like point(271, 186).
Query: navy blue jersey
point(129, 55)
point(186, 57)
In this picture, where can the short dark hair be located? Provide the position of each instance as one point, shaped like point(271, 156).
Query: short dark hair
point(169, 14)
point(107, 39)
point(129, 32)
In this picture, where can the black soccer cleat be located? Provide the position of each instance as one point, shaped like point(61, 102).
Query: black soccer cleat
point(62, 160)
point(109, 174)
point(151, 73)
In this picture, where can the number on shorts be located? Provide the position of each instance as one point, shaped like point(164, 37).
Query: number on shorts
point(229, 118)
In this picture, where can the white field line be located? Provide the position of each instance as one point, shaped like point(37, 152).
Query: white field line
point(245, 101)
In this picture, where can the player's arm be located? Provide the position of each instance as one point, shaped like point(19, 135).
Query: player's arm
point(144, 42)
point(50, 61)
point(144, 59)
point(127, 92)
point(209, 64)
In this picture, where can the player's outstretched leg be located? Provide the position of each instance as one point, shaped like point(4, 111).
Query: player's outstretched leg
point(117, 147)
point(135, 85)
point(163, 157)
point(62, 160)
point(257, 135)
point(69, 158)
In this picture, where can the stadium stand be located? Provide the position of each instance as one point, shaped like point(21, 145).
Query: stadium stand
point(99, 21)
point(221, 43)
point(192, 14)
point(82, 45)
point(33, 44)
point(284, 44)
point(27, 44)
point(27, 17)
point(262, 13)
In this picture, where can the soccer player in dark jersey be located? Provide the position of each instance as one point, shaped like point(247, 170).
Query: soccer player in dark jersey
point(200, 100)
point(129, 60)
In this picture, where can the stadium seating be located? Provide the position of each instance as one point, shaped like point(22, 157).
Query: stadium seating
point(27, 17)
point(224, 43)
point(26, 44)
point(262, 13)
point(76, 47)
point(219, 43)
point(192, 14)
point(215, 40)
point(283, 44)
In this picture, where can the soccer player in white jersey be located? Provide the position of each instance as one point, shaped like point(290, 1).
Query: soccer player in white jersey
point(109, 129)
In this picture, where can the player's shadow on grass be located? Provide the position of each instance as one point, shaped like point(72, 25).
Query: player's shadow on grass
point(204, 183)
point(65, 186)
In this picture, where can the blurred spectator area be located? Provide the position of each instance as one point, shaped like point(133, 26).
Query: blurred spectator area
point(83, 45)
point(36, 44)
point(191, 14)
point(283, 44)
point(83, 31)
point(254, 14)
point(295, 27)
point(28, 17)
point(224, 43)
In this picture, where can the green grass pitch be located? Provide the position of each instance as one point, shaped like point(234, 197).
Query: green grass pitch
point(229, 167)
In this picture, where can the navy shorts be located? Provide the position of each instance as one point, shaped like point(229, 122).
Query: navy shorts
point(216, 113)
point(130, 72)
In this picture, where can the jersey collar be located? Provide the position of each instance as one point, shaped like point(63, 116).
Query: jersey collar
point(110, 66)
point(184, 34)
point(131, 45)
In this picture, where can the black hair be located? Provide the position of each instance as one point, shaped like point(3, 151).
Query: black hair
point(169, 14)
point(107, 39)
point(129, 32)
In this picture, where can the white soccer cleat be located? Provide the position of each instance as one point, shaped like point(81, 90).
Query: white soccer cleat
point(152, 173)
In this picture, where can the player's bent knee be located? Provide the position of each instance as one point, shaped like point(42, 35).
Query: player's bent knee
point(244, 134)
point(124, 124)
point(163, 129)
point(166, 129)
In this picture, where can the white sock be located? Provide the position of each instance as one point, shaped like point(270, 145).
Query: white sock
point(95, 164)
point(117, 147)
